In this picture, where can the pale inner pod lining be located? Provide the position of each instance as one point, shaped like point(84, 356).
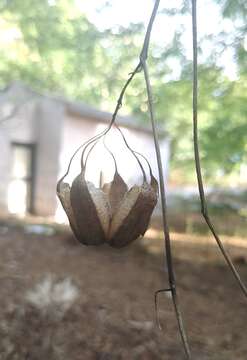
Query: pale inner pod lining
point(65, 195)
point(102, 206)
point(125, 207)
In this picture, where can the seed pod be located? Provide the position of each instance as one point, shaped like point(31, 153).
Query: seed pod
point(112, 214)
point(63, 192)
point(133, 215)
point(116, 216)
point(115, 191)
point(88, 210)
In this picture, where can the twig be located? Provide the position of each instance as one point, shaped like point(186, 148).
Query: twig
point(204, 210)
point(143, 66)
point(140, 66)
point(171, 274)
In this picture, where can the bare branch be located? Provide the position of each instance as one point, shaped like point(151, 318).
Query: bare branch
point(143, 66)
point(171, 274)
point(204, 210)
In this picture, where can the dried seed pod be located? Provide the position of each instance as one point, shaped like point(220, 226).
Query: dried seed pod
point(119, 220)
point(133, 215)
point(111, 214)
point(91, 210)
point(115, 190)
point(63, 192)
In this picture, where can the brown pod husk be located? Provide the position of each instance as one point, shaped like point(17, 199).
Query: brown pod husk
point(133, 215)
point(63, 192)
point(91, 211)
point(115, 190)
point(115, 215)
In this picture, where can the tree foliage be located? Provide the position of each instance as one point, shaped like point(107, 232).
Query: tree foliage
point(54, 47)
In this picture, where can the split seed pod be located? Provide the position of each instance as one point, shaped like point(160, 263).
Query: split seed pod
point(111, 214)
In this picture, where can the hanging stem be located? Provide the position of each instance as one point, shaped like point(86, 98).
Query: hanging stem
point(204, 210)
point(171, 274)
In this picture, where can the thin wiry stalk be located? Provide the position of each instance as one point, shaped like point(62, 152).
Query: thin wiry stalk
point(104, 132)
point(171, 274)
point(84, 146)
point(113, 119)
point(204, 210)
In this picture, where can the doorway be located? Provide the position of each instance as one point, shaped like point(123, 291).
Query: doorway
point(21, 186)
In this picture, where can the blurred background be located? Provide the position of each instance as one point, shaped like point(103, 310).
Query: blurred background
point(63, 64)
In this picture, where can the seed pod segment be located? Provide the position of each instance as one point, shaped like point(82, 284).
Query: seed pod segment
point(91, 210)
point(63, 193)
point(115, 190)
point(133, 215)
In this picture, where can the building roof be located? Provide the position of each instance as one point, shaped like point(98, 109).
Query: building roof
point(81, 109)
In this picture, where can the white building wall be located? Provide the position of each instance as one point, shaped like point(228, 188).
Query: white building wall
point(44, 122)
point(19, 128)
point(39, 121)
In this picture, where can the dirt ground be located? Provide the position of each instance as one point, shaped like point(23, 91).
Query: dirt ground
point(61, 300)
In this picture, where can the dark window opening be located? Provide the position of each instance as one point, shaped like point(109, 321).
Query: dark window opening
point(21, 187)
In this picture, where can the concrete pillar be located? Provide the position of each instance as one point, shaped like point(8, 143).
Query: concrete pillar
point(50, 121)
